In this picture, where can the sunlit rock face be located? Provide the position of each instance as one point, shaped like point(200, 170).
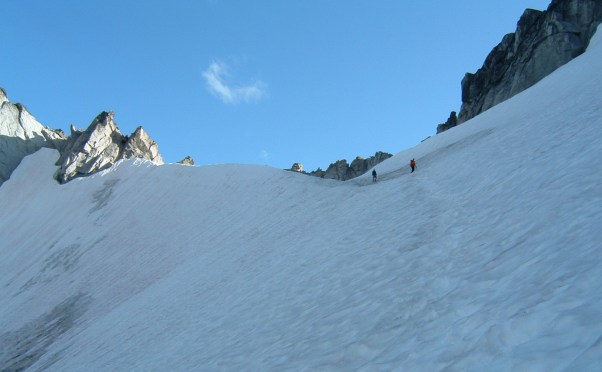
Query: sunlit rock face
point(141, 145)
point(100, 146)
point(21, 135)
point(82, 153)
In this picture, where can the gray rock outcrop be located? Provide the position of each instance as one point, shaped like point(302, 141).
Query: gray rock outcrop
point(82, 153)
point(100, 146)
point(21, 135)
point(141, 145)
point(451, 122)
point(187, 161)
point(543, 41)
point(342, 171)
point(297, 167)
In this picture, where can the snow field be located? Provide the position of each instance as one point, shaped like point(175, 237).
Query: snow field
point(487, 257)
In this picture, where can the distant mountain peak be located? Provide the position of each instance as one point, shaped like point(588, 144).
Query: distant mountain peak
point(3, 96)
point(82, 153)
point(101, 145)
point(21, 135)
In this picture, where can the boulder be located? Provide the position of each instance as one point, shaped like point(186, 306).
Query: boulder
point(187, 161)
point(297, 167)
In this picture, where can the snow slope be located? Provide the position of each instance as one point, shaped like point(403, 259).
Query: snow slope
point(487, 257)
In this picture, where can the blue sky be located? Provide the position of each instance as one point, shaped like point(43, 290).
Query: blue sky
point(259, 82)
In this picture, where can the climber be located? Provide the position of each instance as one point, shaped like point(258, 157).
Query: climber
point(374, 175)
point(412, 165)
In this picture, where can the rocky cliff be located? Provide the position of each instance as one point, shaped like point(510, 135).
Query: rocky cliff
point(342, 171)
point(451, 122)
point(542, 42)
point(81, 154)
point(21, 135)
point(100, 146)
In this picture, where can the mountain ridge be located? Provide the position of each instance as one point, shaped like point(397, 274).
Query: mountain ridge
point(82, 152)
point(543, 41)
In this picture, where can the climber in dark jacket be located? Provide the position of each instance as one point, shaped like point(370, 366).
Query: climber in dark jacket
point(374, 175)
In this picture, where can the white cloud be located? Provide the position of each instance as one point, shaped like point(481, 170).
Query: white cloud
point(263, 154)
point(215, 77)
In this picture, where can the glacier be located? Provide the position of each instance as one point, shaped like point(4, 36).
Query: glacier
point(486, 257)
